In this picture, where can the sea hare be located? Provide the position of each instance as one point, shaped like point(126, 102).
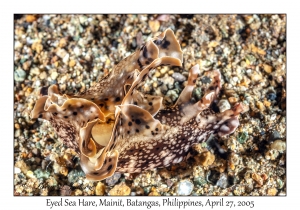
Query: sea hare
point(117, 128)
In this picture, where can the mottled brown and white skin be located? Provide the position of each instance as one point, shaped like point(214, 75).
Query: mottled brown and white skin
point(142, 134)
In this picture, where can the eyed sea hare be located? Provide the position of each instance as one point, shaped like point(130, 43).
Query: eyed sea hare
point(116, 128)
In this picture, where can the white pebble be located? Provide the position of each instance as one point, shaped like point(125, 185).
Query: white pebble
point(185, 187)
point(273, 117)
point(17, 170)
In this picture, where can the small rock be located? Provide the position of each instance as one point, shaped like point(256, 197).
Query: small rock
point(74, 175)
point(157, 74)
point(249, 187)
point(18, 45)
point(39, 173)
point(61, 53)
point(185, 187)
point(77, 192)
point(111, 181)
point(30, 174)
point(200, 181)
point(153, 192)
point(22, 166)
point(205, 158)
point(178, 77)
point(274, 136)
point(65, 190)
point(280, 183)
point(77, 51)
point(256, 77)
point(206, 80)
point(273, 117)
point(139, 191)
point(66, 58)
point(63, 170)
point(54, 75)
point(267, 103)
point(261, 106)
point(278, 145)
point(234, 159)
point(30, 18)
point(213, 44)
point(147, 190)
point(222, 182)
point(172, 94)
point(19, 75)
point(35, 71)
point(62, 42)
point(271, 96)
point(37, 46)
point(169, 183)
point(83, 19)
point(164, 70)
point(120, 189)
point(223, 105)
point(43, 75)
point(233, 100)
point(272, 191)
point(164, 18)
point(17, 170)
point(267, 68)
point(100, 188)
point(26, 65)
point(242, 137)
point(154, 25)
point(257, 178)
point(197, 93)
point(72, 63)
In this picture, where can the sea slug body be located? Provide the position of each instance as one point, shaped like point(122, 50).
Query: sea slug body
point(116, 128)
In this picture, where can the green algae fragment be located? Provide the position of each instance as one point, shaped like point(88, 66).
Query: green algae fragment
point(242, 137)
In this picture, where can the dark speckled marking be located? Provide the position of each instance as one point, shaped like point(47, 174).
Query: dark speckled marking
point(109, 167)
point(145, 52)
point(165, 44)
point(140, 64)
